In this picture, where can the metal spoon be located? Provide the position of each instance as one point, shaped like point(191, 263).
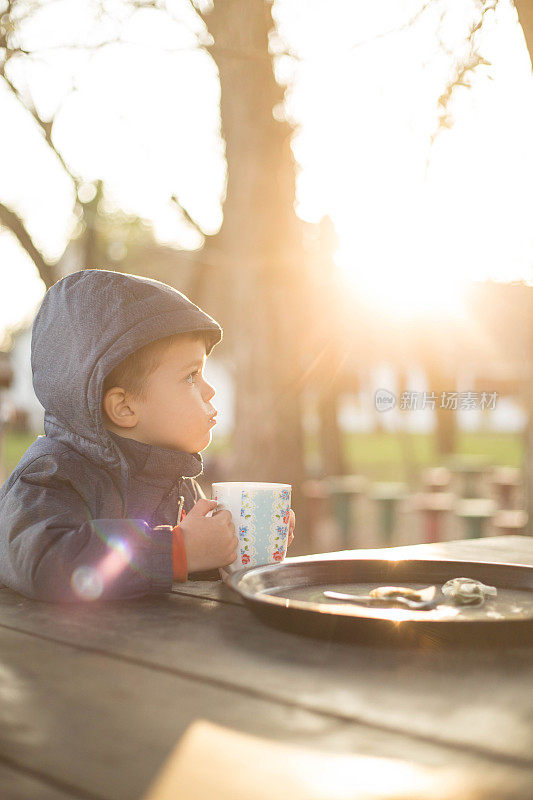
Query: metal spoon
point(367, 600)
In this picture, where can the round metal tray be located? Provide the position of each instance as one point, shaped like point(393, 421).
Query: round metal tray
point(290, 596)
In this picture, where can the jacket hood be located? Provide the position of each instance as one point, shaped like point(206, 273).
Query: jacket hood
point(88, 322)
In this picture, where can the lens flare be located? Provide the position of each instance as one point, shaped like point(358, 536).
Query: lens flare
point(87, 583)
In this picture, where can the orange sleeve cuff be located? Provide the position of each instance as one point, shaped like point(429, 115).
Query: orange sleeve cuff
point(179, 556)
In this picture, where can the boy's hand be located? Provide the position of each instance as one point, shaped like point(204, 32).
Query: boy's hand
point(210, 542)
point(292, 525)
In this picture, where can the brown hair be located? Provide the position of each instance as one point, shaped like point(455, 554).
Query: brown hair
point(132, 373)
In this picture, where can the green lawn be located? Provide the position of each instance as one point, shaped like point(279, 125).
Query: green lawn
point(378, 455)
point(14, 446)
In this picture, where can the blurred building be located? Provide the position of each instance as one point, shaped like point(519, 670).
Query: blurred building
point(20, 394)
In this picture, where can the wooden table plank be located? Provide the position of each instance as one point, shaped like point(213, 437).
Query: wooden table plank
point(482, 700)
point(17, 785)
point(104, 727)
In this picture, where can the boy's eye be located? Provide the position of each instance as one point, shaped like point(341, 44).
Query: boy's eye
point(191, 375)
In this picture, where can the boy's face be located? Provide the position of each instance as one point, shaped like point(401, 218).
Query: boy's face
point(176, 412)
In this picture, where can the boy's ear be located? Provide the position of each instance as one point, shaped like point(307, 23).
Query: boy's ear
point(118, 408)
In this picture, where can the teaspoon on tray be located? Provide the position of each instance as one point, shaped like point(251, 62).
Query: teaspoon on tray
point(380, 602)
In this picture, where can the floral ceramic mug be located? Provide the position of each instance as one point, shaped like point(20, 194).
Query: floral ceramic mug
point(260, 513)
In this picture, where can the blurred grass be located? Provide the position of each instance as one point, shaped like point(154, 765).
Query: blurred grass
point(382, 456)
point(378, 455)
point(14, 445)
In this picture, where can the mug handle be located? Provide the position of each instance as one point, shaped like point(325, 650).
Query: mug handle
point(215, 509)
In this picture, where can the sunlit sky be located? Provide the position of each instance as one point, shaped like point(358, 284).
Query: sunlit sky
point(417, 211)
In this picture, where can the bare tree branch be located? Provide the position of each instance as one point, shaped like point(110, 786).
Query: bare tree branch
point(464, 69)
point(187, 216)
point(45, 126)
point(13, 222)
point(410, 22)
point(461, 79)
point(197, 11)
point(10, 219)
point(117, 40)
point(288, 52)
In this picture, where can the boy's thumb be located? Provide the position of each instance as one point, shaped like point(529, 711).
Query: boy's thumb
point(202, 507)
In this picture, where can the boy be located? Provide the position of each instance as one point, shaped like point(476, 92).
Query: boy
point(91, 509)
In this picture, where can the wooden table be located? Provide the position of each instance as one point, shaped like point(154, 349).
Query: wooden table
point(94, 698)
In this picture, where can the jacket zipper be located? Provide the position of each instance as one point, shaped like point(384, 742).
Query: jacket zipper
point(165, 498)
point(181, 500)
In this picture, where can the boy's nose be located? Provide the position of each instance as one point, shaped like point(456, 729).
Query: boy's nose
point(210, 392)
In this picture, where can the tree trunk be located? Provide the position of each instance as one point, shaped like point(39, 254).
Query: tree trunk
point(331, 440)
point(260, 246)
point(524, 10)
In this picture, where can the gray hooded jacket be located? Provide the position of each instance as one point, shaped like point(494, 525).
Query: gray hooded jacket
point(81, 514)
